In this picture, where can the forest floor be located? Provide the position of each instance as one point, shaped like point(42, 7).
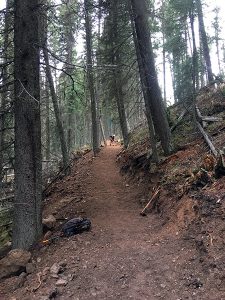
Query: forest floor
point(125, 255)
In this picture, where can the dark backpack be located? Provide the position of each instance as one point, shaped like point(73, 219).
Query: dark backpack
point(75, 226)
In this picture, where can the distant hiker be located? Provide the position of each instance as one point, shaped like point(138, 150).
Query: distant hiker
point(112, 139)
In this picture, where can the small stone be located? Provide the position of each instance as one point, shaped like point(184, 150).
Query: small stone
point(56, 269)
point(163, 285)
point(49, 222)
point(30, 268)
point(71, 277)
point(13, 262)
point(38, 259)
point(46, 271)
point(54, 276)
point(63, 264)
point(21, 280)
point(53, 293)
point(61, 282)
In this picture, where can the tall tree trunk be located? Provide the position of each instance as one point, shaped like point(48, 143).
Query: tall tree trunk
point(69, 38)
point(164, 51)
point(117, 76)
point(56, 109)
point(5, 93)
point(70, 128)
point(155, 103)
point(98, 77)
point(47, 123)
point(146, 95)
point(90, 77)
point(195, 76)
point(204, 41)
point(59, 123)
point(27, 225)
point(102, 130)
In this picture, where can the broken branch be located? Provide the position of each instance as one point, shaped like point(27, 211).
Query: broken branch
point(207, 140)
point(154, 196)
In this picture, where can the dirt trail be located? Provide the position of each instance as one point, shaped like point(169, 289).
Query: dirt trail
point(125, 256)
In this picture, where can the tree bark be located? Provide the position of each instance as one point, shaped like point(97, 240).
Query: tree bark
point(146, 95)
point(90, 77)
point(47, 124)
point(204, 41)
point(195, 76)
point(117, 77)
point(69, 39)
point(27, 222)
point(5, 93)
point(59, 124)
point(155, 102)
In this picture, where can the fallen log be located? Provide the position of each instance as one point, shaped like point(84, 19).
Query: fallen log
point(211, 119)
point(207, 140)
point(207, 118)
point(154, 196)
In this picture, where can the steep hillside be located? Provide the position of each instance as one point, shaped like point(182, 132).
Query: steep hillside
point(190, 182)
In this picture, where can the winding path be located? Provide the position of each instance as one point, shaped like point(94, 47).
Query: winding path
point(124, 256)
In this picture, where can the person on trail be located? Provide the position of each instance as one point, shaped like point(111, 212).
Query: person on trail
point(112, 139)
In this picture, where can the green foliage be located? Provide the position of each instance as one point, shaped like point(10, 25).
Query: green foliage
point(118, 51)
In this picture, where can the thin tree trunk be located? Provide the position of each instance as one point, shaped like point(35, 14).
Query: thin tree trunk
point(47, 124)
point(155, 102)
point(117, 77)
point(27, 225)
point(90, 77)
point(59, 123)
point(98, 76)
point(204, 41)
point(56, 110)
point(195, 76)
point(70, 130)
point(69, 37)
point(102, 130)
point(218, 54)
point(164, 53)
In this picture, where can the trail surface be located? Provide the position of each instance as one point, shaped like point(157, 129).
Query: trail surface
point(125, 256)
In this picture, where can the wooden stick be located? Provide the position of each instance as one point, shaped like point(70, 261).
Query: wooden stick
point(143, 212)
point(207, 118)
point(207, 140)
point(211, 119)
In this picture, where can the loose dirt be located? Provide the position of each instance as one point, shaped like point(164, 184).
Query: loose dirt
point(124, 256)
